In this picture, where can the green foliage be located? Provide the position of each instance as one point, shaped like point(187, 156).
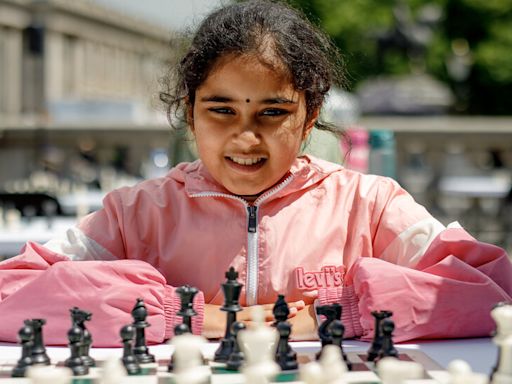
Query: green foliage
point(484, 26)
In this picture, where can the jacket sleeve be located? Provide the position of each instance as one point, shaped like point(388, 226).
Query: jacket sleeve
point(40, 283)
point(444, 287)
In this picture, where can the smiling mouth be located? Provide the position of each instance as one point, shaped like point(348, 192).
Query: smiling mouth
point(247, 163)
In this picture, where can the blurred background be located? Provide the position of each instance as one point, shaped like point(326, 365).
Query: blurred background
point(428, 101)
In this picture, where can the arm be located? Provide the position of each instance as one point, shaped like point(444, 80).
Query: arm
point(42, 284)
point(439, 283)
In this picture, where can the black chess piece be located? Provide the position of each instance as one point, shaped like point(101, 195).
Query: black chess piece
point(79, 317)
point(187, 311)
point(286, 357)
point(331, 312)
point(376, 346)
point(26, 337)
point(129, 361)
point(231, 290)
point(337, 329)
point(140, 350)
point(388, 348)
point(236, 358)
point(39, 355)
point(75, 361)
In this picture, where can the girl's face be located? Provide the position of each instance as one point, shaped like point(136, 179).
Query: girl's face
point(249, 123)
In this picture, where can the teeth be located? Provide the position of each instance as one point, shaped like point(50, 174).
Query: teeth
point(242, 161)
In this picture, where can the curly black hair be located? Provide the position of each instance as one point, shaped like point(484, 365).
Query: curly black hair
point(251, 27)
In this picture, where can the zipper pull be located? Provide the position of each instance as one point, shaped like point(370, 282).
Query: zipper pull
point(252, 223)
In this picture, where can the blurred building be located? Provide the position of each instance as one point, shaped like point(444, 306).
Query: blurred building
point(76, 77)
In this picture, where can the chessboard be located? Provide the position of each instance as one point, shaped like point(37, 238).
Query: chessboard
point(363, 372)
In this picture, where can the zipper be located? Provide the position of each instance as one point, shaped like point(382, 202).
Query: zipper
point(251, 293)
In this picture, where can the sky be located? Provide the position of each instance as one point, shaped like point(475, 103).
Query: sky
point(171, 14)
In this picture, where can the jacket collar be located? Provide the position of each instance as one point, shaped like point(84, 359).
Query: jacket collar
point(305, 171)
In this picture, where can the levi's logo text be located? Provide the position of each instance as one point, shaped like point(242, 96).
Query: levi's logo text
point(328, 277)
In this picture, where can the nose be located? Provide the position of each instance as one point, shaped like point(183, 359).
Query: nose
point(247, 138)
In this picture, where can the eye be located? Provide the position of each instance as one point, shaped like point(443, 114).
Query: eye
point(274, 112)
point(222, 110)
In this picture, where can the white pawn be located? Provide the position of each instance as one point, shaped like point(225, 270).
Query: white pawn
point(394, 371)
point(47, 374)
point(188, 360)
point(333, 366)
point(503, 374)
point(259, 346)
point(460, 373)
point(113, 371)
point(502, 315)
point(311, 373)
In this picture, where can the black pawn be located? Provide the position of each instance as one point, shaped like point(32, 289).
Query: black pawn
point(376, 346)
point(39, 355)
point(140, 350)
point(231, 290)
point(79, 317)
point(286, 357)
point(388, 349)
point(187, 310)
point(26, 337)
point(129, 361)
point(337, 330)
point(236, 358)
point(75, 362)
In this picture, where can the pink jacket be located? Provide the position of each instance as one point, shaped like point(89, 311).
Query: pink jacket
point(360, 240)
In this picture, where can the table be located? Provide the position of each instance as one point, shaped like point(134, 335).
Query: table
point(480, 353)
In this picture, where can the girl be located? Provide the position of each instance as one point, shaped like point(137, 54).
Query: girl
point(251, 87)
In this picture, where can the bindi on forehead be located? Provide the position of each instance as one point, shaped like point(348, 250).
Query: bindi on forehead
point(247, 100)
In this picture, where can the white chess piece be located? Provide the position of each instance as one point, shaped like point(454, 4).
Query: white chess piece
point(503, 374)
point(113, 371)
point(333, 366)
point(259, 345)
point(460, 373)
point(311, 373)
point(47, 374)
point(502, 315)
point(188, 361)
point(393, 371)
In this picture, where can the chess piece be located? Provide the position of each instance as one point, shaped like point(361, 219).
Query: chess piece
point(26, 337)
point(113, 371)
point(311, 373)
point(376, 346)
point(79, 317)
point(337, 329)
point(129, 361)
point(392, 370)
point(502, 315)
point(331, 312)
point(259, 347)
point(188, 360)
point(179, 330)
point(333, 366)
point(140, 350)
point(231, 290)
point(460, 373)
point(286, 357)
point(39, 355)
point(503, 372)
point(75, 361)
point(388, 349)
point(236, 358)
point(187, 311)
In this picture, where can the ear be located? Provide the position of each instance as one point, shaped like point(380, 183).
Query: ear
point(310, 123)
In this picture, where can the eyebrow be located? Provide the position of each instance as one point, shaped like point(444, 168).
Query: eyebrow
point(225, 99)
